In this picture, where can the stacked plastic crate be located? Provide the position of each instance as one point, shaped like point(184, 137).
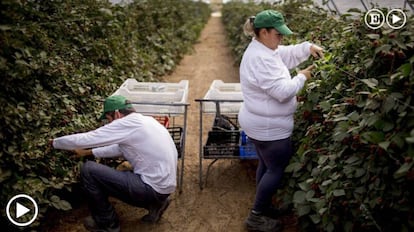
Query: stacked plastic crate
point(156, 98)
point(226, 139)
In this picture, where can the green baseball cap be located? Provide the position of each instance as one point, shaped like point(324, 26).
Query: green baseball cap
point(271, 19)
point(115, 102)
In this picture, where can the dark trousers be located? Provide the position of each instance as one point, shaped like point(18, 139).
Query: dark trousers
point(100, 182)
point(273, 157)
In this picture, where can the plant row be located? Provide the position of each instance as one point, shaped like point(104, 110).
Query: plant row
point(354, 134)
point(59, 60)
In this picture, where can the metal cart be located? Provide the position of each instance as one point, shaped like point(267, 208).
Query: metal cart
point(162, 101)
point(225, 139)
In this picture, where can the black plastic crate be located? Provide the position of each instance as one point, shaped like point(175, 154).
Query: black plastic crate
point(222, 143)
point(225, 123)
point(177, 135)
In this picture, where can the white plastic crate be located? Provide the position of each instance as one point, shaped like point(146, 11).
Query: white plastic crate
point(132, 85)
point(163, 95)
point(225, 107)
point(225, 87)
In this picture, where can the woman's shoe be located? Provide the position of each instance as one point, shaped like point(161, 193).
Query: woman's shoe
point(258, 222)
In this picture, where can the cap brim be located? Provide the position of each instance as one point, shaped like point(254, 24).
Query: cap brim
point(284, 30)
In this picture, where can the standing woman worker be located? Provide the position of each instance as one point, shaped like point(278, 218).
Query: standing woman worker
point(269, 94)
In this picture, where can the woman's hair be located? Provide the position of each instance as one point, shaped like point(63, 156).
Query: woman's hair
point(250, 30)
point(248, 27)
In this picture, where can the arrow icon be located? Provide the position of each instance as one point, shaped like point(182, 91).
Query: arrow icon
point(395, 19)
point(21, 210)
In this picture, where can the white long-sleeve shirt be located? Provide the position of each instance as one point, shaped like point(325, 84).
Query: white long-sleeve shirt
point(269, 91)
point(141, 140)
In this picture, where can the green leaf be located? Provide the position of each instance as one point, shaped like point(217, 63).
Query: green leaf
point(330, 227)
point(359, 172)
point(384, 145)
point(388, 104)
point(373, 36)
point(4, 174)
point(355, 10)
point(372, 120)
point(403, 170)
point(352, 159)
point(22, 62)
point(373, 136)
point(299, 197)
point(326, 182)
point(45, 180)
point(60, 204)
point(303, 210)
point(293, 167)
point(304, 186)
point(339, 192)
point(400, 44)
point(340, 135)
point(371, 82)
point(398, 140)
point(338, 119)
point(354, 116)
point(322, 159)
point(64, 205)
point(368, 62)
point(310, 194)
point(322, 210)
point(5, 27)
point(55, 198)
point(81, 90)
point(383, 48)
point(409, 139)
point(106, 11)
point(316, 218)
point(325, 105)
point(372, 104)
point(405, 69)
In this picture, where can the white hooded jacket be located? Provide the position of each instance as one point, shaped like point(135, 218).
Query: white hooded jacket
point(141, 140)
point(269, 91)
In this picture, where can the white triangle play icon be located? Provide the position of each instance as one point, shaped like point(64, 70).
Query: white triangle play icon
point(21, 210)
point(395, 19)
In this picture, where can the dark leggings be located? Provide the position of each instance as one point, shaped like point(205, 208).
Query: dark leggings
point(273, 157)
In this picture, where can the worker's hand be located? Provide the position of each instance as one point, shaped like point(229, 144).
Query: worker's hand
point(307, 72)
point(316, 51)
point(82, 152)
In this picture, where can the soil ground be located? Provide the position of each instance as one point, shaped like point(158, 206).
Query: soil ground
point(224, 202)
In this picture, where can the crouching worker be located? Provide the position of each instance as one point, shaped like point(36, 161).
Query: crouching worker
point(141, 140)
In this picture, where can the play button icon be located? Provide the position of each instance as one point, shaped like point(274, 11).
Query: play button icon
point(22, 210)
point(396, 18)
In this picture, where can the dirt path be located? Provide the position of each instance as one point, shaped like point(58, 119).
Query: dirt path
point(225, 202)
